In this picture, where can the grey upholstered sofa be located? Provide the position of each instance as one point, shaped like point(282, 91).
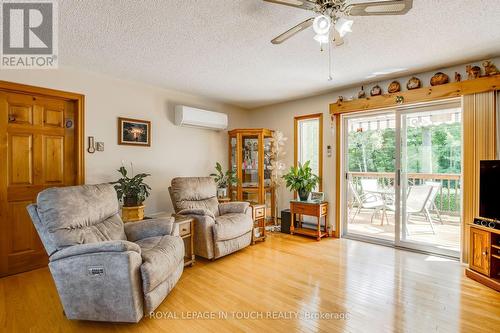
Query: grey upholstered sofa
point(220, 229)
point(105, 270)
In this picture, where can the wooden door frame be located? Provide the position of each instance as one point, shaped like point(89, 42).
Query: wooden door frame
point(78, 99)
point(296, 143)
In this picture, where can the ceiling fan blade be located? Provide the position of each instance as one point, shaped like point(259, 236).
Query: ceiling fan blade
point(394, 7)
point(303, 4)
point(293, 31)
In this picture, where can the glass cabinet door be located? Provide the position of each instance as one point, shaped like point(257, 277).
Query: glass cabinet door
point(268, 192)
point(250, 162)
point(234, 167)
point(250, 195)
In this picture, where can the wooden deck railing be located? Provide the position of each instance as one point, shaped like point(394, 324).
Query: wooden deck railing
point(448, 200)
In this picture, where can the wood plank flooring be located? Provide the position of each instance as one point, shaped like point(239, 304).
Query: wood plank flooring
point(380, 289)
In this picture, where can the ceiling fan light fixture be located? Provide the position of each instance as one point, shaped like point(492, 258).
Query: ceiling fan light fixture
point(321, 38)
point(343, 26)
point(322, 24)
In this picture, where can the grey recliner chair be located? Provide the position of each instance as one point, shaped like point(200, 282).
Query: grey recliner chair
point(220, 229)
point(105, 270)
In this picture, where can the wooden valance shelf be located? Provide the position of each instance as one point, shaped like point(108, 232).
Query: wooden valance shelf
point(449, 90)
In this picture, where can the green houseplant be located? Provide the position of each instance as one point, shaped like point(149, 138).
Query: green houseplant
point(223, 180)
point(131, 191)
point(302, 180)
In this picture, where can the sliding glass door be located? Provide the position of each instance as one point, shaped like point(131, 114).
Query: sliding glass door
point(430, 177)
point(370, 165)
point(402, 177)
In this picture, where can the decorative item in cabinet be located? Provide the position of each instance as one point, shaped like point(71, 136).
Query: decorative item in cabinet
point(250, 158)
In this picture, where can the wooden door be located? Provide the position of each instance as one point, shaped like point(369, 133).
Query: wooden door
point(37, 151)
point(480, 254)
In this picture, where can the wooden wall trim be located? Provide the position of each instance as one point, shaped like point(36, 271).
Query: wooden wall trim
point(78, 99)
point(455, 89)
point(338, 177)
point(296, 142)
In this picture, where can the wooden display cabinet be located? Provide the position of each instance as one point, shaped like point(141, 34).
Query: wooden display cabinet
point(250, 160)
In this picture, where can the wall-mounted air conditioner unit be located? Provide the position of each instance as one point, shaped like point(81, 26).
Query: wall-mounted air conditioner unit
point(192, 117)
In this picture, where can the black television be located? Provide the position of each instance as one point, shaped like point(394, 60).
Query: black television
point(489, 190)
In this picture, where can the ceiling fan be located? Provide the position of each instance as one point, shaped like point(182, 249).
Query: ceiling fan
point(333, 13)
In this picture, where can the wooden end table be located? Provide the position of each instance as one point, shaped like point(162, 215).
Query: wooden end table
point(224, 200)
point(186, 231)
point(318, 209)
point(259, 222)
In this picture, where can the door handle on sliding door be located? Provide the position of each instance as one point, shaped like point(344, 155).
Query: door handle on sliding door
point(398, 177)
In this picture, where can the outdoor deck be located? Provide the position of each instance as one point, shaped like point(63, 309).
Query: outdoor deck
point(447, 235)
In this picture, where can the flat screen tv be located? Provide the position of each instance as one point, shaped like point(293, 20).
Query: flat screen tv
point(489, 193)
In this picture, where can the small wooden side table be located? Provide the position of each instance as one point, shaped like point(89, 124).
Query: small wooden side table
point(259, 222)
point(318, 209)
point(224, 200)
point(186, 231)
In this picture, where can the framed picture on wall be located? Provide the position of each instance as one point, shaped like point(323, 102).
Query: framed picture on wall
point(134, 132)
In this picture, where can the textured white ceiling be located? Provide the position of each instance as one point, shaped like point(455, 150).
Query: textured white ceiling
point(221, 48)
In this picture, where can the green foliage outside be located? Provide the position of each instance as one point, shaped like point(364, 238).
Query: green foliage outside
point(375, 151)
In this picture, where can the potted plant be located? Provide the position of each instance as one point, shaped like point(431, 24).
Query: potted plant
point(223, 180)
point(302, 180)
point(132, 192)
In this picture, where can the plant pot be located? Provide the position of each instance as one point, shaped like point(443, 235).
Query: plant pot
point(222, 192)
point(130, 201)
point(304, 195)
point(132, 214)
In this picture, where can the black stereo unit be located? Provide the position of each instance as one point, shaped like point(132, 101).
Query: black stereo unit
point(493, 224)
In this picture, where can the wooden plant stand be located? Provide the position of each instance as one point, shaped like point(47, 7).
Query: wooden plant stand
point(310, 208)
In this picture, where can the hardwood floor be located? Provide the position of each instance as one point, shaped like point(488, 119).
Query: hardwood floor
point(381, 290)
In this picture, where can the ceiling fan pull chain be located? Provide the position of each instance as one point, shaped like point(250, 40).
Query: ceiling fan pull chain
point(330, 74)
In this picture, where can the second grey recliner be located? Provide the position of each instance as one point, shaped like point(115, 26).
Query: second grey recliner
point(220, 229)
point(105, 270)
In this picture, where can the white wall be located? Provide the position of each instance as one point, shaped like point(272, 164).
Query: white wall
point(175, 151)
point(281, 117)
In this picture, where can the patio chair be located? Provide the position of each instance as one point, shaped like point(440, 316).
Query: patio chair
point(369, 185)
point(417, 203)
point(431, 204)
point(366, 201)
